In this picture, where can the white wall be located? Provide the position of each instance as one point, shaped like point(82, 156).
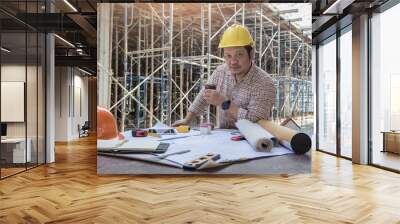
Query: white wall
point(61, 103)
point(81, 94)
point(70, 84)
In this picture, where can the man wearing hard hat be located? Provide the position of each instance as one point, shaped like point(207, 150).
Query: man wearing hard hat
point(243, 90)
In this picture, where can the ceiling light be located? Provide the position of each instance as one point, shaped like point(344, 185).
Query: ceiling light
point(79, 51)
point(5, 50)
point(65, 41)
point(71, 6)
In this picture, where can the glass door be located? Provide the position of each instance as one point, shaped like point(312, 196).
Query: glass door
point(22, 77)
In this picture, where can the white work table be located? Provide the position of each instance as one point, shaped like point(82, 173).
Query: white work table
point(290, 163)
point(287, 164)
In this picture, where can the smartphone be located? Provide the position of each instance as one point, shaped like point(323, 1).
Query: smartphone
point(210, 86)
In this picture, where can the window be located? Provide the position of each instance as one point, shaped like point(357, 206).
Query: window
point(327, 96)
point(385, 89)
point(346, 92)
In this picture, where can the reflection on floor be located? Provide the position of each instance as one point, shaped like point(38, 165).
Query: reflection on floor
point(10, 171)
point(387, 159)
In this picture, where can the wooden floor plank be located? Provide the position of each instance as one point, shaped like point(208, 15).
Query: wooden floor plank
point(70, 191)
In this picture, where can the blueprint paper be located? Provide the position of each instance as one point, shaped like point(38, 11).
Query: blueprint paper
point(219, 142)
point(258, 137)
point(128, 135)
point(145, 157)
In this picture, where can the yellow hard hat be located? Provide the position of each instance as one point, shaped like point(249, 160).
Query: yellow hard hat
point(236, 36)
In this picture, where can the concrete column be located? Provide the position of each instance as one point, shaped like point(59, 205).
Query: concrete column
point(50, 99)
point(360, 90)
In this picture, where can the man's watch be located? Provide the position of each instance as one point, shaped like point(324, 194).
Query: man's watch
point(225, 105)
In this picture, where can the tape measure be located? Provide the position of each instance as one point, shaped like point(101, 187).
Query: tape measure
point(196, 163)
point(139, 133)
point(183, 129)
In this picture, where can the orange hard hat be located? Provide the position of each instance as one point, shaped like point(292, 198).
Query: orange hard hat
point(106, 125)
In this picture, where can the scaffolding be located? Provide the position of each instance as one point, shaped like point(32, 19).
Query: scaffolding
point(162, 54)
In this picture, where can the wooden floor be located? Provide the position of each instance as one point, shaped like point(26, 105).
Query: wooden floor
point(70, 191)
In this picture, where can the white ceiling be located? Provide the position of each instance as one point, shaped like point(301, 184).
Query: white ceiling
point(304, 12)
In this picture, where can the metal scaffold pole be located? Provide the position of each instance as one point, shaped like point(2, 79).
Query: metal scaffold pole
point(123, 109)
point(181, 74)
point(202, 49)
point(152, 69)
point(116, 71)
point(261, 38)
point(278, 92)
point(159, 64)
point(209, 53)
point(171, 32)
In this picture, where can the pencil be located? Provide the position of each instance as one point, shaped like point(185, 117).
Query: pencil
point(121, 143)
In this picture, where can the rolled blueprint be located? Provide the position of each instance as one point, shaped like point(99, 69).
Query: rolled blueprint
point(258, 137)
point(299, 142)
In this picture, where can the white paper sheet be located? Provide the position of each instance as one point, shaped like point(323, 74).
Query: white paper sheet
point(162, 128)
point(131, 144)
point(104, 144)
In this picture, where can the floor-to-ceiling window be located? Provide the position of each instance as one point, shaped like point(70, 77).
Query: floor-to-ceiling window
point(385, 89)
point(334, 81)
point(327, 95)
point(345, 60)
point(22, 77)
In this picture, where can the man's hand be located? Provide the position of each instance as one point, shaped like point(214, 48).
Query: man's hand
point(186, 121)
point(180, 122)
point(213, 97)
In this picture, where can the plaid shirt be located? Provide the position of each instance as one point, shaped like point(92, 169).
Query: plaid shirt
point(254, 95)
